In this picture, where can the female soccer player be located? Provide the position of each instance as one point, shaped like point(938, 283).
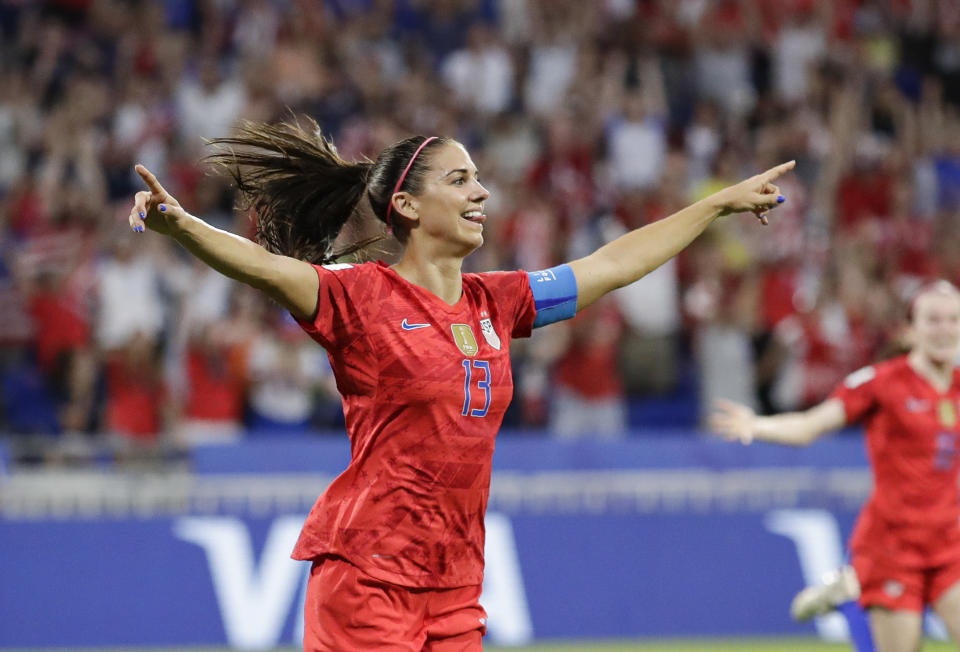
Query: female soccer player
point(421, 356)
point(906, 543)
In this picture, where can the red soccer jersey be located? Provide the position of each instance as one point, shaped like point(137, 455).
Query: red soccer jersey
point(912, 443)
point(424, 386)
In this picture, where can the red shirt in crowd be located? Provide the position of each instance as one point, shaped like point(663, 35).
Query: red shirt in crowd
point(216, 390)
point(590, 366)
point(58, 327)
point(135, 396)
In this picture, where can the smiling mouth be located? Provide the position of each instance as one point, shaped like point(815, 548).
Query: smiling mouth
point(477, 217)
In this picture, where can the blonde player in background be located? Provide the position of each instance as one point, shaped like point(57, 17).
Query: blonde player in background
point(906, 543)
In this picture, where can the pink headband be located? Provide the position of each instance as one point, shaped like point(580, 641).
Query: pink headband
point(403, 176)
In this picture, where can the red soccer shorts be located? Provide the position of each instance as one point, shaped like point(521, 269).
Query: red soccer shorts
point(349, 611)
point(885, 584)
point(903, 567)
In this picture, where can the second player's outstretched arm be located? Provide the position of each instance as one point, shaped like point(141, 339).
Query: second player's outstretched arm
point(292, 283)
point(738, 422)
point(636, 254)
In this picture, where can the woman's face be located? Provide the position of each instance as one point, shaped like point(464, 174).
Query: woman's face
point(449, 207)
point(936, 325)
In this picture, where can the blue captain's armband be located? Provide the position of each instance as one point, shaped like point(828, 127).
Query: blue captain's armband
point(554, 294)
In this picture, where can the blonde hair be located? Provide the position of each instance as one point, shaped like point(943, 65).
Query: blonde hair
point(941, 287)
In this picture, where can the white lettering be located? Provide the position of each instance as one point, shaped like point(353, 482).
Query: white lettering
point(504, 597)
point(545, 276)
point(299, 605)
point(254, 601)
point(820, 549)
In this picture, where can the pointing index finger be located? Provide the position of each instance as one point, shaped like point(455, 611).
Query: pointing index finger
point(150, 180)
point(776, 171)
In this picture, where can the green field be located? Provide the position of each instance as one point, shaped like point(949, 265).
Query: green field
point(725, 645)
point(701, 645)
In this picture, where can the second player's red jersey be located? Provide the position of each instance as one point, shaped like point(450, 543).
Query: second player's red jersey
point(912, 434)
point(425, 386)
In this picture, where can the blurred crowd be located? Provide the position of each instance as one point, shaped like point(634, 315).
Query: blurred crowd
point(586, 119)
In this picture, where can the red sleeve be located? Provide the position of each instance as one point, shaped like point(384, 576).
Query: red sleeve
point(338, 320)
point(514, 299)
point(858, 392)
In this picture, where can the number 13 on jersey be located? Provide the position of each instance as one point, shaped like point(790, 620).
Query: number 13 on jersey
point(473, 370)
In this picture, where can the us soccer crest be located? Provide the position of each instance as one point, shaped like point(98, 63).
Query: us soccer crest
point(490, 335)
point(463, 336)
point(947, 413)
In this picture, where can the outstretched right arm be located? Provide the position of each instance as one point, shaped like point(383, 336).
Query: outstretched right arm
point(290, 282)
point(738, 422)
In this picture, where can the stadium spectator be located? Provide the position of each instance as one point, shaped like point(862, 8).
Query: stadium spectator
point(816, 347)
point(64, 351)
point(209, 104)
point(906, 543)
point(481, 75)
point(217, 335)
point(420, 352)
point(564, 173)
point(637, 129)
point(123, 315)
point(800, 40)
point(722, 57)
point(702, 141)
point(285, 372)
point(719, 306)
point(587, 398)
point(553, 55)
point(212, 411)
point(650, 347)
point(136, 402)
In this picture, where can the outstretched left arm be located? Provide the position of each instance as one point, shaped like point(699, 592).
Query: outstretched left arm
point(636, 254)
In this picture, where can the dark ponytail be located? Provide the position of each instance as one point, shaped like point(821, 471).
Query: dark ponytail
point(300, 189)
point(303, 193)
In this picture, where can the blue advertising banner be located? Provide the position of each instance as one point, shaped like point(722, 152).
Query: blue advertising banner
point(651, 538)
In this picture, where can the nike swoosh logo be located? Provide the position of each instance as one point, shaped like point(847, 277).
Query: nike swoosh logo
point(410, 327)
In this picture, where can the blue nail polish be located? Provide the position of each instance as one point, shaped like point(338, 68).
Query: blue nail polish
point(163, 208)
point(142, 216)
point(781, 199)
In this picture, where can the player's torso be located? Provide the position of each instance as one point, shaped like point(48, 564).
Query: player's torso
point(423, 435)
point(913, 439)
point(425, 386)
point(451, 362)
point(428, 384)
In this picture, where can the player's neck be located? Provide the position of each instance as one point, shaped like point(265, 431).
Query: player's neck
point(940, 375)
point(440, 276)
